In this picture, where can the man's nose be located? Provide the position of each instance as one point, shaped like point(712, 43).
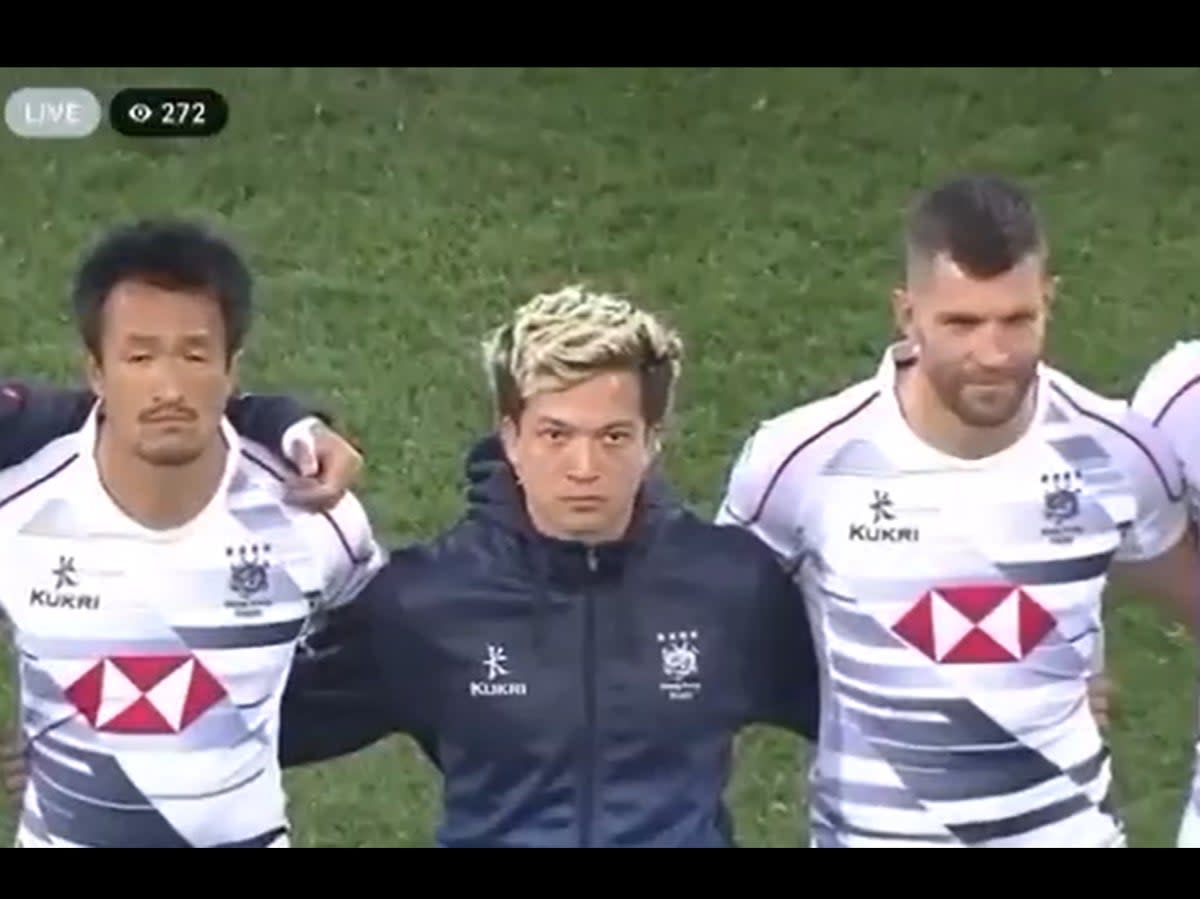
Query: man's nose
point(583, 461)
point(992, 346)
point(167, 382)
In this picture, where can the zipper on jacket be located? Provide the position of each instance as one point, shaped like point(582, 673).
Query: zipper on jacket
point(589, 694)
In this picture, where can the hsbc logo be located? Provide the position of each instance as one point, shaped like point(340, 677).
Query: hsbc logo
point(975, 624)
point(144, 694)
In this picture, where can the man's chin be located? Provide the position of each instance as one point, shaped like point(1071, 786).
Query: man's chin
point(988, 409)
point(168, 454)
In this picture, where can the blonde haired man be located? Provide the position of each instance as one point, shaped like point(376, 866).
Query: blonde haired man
point(578, 653)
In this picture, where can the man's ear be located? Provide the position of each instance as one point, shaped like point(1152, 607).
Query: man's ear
point(508, 439)
point(93, 373)
point(654, 441)
point(1050, 291)
point(902, 315)
point(233, 372)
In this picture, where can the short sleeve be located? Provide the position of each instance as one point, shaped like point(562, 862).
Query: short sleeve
point(1160, 513)
point(1169, 398)
point(352, 555)
point(753, 498)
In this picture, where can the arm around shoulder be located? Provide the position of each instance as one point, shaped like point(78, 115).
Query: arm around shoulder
point(363, 670)
point(785, 670)
point(32, 416)
point(336, 699)
point(267, 418)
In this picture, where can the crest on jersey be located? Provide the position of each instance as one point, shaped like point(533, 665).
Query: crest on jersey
point(248, 568)
point(1061, 499)
point(680, 663)
point(1060, 505)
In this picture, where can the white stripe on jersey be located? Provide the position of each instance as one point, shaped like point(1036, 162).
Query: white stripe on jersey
point(957, 606)
point(153, 663)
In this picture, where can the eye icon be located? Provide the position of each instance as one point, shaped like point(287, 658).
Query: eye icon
point(168, 112)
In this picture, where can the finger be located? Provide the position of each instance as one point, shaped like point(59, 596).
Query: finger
point(311, 494)
point(337, 469)
point(337, 473)
point(304, 458)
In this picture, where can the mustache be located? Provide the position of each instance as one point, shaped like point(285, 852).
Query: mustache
point(167, 413)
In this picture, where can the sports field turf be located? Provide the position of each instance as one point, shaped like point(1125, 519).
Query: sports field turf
point(391, 214)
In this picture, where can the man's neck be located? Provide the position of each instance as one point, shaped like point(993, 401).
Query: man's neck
point(160, 497)
point(938, 426)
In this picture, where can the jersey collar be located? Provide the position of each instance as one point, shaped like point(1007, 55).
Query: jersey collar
point(112, 516)
point(901, 353)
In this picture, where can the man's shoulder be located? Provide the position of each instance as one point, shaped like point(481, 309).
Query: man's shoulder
point(1171, 383)
point(807, 432)
point(1114, 433)
point(699, 541)
point(262, 477)
point(1071, 399)
point(40, 472)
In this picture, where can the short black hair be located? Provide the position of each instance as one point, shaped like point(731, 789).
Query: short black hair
point(984, 223)
point(170, 253)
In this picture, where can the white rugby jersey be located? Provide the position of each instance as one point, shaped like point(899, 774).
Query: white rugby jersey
point(152, 663)
point(1169, 396)
point(957, 605)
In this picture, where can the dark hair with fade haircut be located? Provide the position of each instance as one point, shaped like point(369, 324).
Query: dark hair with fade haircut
point(172, 254)
point(985, 223)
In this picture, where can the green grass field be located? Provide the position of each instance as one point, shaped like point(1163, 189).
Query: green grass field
point(393, 214)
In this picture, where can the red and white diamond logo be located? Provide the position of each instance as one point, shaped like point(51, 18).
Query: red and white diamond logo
point(145, 694)
point(975, 624)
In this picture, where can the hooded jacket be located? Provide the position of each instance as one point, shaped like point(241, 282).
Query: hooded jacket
point(570, 695)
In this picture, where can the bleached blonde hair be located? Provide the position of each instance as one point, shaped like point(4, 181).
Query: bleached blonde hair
point(557, 340)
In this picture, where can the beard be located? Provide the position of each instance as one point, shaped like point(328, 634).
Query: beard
point(984, 404)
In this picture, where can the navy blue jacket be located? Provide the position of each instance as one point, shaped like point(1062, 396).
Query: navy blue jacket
point(570, 696)
point(33, 415)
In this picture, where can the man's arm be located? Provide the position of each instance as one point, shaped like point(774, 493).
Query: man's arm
point(13, 771)
point(1172, 580)
point(1157, 557)
point(32, 416)
point(785, 672)
point(331, 704)
point(358, 661)
point(274, 420)
point(363, 673)
point(1168, 400)
point(335, 702)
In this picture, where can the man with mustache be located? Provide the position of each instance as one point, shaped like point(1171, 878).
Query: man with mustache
point(954, 520)
point(157, 579)
point(326, 465)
